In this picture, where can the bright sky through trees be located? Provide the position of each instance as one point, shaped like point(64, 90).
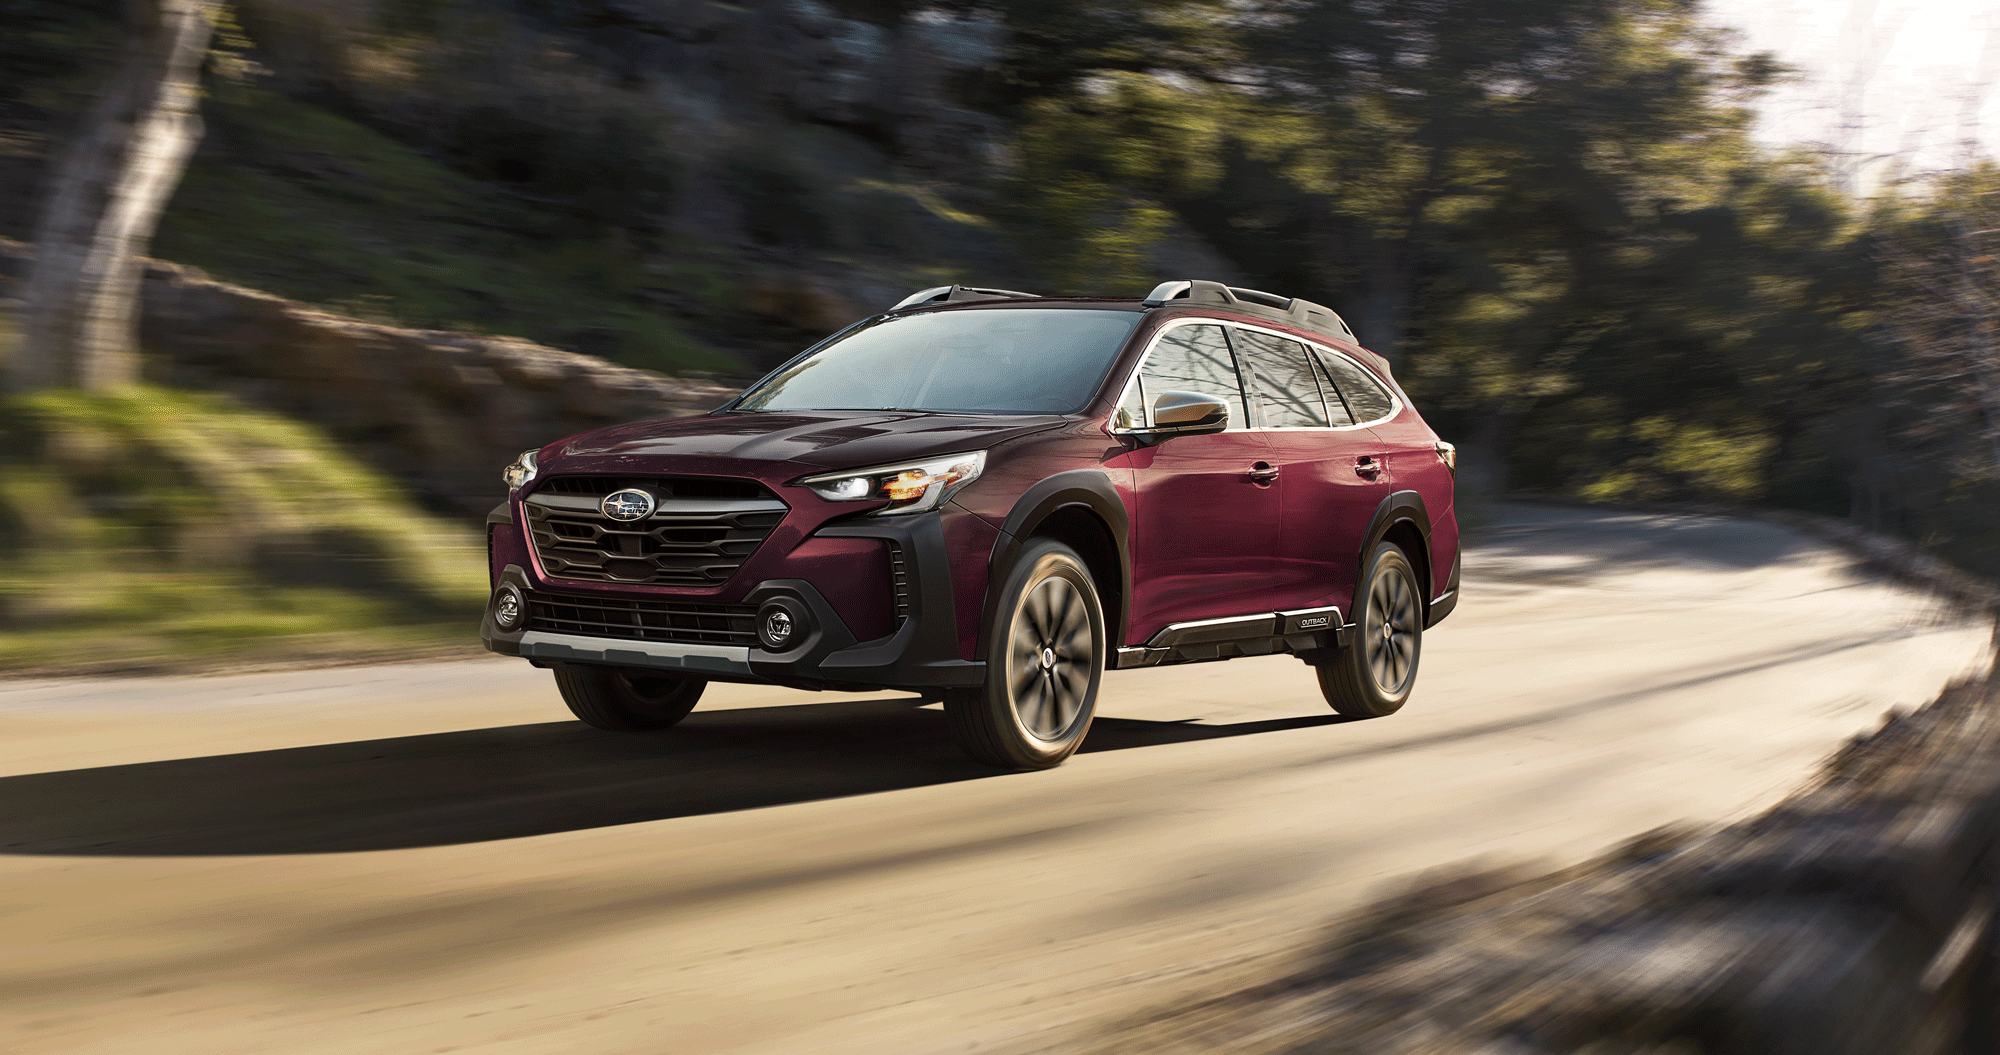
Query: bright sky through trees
point(1887, 79)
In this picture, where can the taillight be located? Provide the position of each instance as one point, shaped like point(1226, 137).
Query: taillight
point(1447, 454)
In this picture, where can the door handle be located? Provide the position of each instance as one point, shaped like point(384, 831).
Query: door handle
point(1263, 473)
point(1367, 465)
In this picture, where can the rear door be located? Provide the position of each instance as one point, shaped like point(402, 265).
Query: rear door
point(1205, 531)
point(1409, 448)
point(1332, 470)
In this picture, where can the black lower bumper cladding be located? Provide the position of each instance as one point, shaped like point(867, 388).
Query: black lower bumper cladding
point(920, 653)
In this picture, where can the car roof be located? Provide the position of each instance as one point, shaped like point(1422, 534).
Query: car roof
point(1297, 311)
point(1208, 298)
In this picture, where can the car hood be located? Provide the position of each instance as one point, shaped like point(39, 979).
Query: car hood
point(761, 444)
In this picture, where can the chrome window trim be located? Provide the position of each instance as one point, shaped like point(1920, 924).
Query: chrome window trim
point(1314, 368)
point(1395, 400)
point(1396, 404)
point(1140, 367)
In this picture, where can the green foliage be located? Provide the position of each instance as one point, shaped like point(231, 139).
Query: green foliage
point(597, 168)
point(151, 527)
point(1058, 46)
point(50, 45)
point(1077, 199)
point(1680, 460)
point(292, 198)
point(830, 192)
point(1549, 215)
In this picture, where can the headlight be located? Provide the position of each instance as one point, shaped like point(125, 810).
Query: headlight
point(518, 474)
point(912, 487)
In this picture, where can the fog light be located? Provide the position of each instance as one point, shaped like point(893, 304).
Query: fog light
point(508, 608)
point(779, 627)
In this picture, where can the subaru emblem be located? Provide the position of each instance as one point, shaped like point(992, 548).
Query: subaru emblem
point(629, 504)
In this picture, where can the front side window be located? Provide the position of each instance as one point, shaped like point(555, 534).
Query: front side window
point(1287, 393)
point(1002, 361)
point(1189, 359)
point(1364, 395)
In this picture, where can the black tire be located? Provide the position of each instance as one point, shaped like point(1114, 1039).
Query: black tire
point(1373, 676)
point(626, 699)
point(1044, 660)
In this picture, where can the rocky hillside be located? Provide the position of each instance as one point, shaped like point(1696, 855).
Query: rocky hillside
point(671, 184)
point(439, 412)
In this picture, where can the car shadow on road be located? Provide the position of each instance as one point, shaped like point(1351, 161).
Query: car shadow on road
point(501, 783)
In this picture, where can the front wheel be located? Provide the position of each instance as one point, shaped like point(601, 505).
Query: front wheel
point(1043, 665)
point(1374, 674)
point(626, 699)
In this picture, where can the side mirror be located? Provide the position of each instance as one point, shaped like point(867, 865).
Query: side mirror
point(1185, 414)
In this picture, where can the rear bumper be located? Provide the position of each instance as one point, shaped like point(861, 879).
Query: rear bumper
point(920, 652)
point(1443, 604)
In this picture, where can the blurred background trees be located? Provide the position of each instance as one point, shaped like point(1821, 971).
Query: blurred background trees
point(103, 197)
point(1548, 213)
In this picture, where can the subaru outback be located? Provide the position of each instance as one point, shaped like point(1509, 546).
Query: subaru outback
point(992, 499)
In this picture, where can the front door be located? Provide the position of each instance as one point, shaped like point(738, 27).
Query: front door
point(1205, 533)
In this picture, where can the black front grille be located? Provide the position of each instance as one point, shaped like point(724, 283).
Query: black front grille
point(702, 531)
point(688, 622)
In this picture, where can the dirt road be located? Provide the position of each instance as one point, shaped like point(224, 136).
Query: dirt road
point(431, 858)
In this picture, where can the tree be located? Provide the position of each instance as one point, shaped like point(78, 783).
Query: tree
point(1946, 268)
point(1423, 115)
point(105, 194)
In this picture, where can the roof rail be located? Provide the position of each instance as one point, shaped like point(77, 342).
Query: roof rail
point(957, 294)
point(1304, 313)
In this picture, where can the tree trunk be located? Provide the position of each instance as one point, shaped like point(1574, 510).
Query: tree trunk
point(1383, 295)
point(104, 198)
point(1986, 367)
point(1386, 293)
point(1391, 281)
point(1482, 461)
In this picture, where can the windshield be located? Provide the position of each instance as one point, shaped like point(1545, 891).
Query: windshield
point(1009, 361)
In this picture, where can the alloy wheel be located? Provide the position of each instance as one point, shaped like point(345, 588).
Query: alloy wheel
point(1389, 632)
point(1050, 649)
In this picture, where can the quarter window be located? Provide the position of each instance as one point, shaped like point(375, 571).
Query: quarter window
point(1365, 396)
point(1189, 359)
point(1288, 395)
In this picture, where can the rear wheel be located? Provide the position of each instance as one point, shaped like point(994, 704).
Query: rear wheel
point(626, 699)
point(1043, 665)
point(1374, 674)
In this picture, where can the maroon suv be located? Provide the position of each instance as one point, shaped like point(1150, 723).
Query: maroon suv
point(992, 498)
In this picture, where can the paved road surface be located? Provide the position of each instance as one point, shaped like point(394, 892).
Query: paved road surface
point(430, 858)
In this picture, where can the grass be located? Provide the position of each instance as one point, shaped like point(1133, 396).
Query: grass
point(155, 529)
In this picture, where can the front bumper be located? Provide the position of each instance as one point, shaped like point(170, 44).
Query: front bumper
point(921, 651)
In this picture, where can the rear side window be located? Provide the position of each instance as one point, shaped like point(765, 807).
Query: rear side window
point(1286, 391)
point(1364, 395)
point(1192, 359)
